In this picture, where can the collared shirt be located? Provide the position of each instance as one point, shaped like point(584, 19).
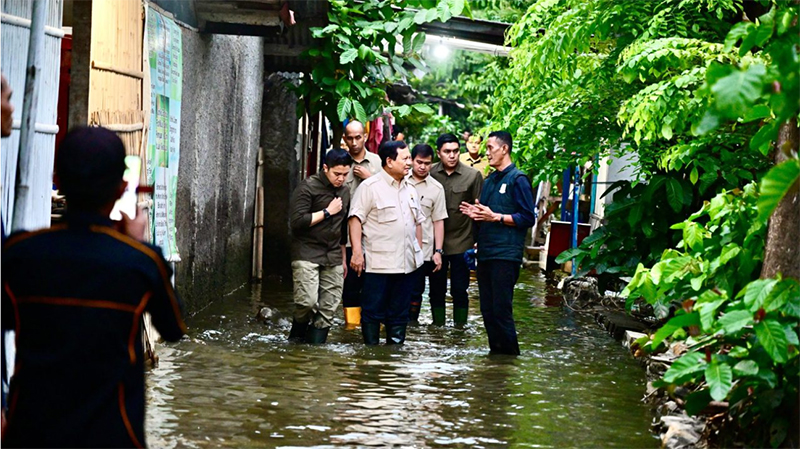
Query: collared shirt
point(464, 184)
point(481, 163)
point(76, 293)
point(431, 199)
point(320, 243)
point(371, 162)
point(389, 212)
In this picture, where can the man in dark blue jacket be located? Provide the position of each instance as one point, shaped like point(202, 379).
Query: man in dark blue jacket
point(502, 216)
point(75, 294)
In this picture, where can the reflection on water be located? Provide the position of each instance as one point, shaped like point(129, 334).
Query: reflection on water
point(238, 383)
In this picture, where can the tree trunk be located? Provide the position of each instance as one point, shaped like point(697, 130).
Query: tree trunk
point(782, 254)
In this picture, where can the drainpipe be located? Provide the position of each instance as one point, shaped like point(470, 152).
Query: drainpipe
point(565, 193)
point(22, 193)
point(576, 193)
point(593, 198)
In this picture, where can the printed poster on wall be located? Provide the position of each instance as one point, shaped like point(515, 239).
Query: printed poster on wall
point(165, 56)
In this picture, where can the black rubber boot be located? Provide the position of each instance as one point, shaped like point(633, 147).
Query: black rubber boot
point(298, 332)
point(438, 316)
point(396, 334)
point(413, 313)
point(316, 336)
point(371, 333)
point(460, 316)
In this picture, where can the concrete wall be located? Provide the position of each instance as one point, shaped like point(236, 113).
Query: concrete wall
point(220, 130)
point(279, 138)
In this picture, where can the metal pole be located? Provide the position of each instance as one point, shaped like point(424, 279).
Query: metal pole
point(576, 193)
point(565, 193)
point(23, 201)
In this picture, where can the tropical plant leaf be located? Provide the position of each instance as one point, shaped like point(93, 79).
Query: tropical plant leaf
point(746, 368)
point(674, 194)
point(685, 366)
point(772, 337)
point(719, 378)
point(348, 56)
point(781, 179)
point(733, 321)
point(343, 108)
point(677, 322)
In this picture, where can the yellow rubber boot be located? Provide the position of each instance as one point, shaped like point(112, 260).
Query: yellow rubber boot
point(352, 317)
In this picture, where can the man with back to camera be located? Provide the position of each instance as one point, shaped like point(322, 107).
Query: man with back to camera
point(385, 224)
point(365, 164)
point(502, 216)
point(431, 198)
point(319, 229)
point(75, 293)
point(460, 183)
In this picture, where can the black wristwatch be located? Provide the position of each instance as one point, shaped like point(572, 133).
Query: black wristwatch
point(326, 213)
point(439, 251)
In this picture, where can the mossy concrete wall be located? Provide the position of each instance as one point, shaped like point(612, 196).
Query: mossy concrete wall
point(220, 136)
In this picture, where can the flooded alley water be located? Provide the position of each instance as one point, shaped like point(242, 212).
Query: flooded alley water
point(237, 382)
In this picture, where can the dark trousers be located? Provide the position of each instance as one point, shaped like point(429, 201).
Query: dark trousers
point(353, 283)
point(496, 280)
point(386, 298)
point(419, 283)
point(459, 282)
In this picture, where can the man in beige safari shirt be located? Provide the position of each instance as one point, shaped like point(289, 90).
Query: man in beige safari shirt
point(385, 224)
point(432, 201)
point(365, 164)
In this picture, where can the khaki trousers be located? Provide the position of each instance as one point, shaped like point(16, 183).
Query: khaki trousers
point(317, 292)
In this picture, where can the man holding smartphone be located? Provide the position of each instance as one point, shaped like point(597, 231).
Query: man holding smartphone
point(75, 293)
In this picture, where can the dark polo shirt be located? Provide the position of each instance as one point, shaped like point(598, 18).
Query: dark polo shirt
point(464, 184)
point(320, 243)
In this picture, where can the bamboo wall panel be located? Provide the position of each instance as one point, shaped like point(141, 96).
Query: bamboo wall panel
point(14, 60)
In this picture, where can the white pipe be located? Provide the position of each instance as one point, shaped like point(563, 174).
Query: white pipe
point(26, 23)
point(23, 201)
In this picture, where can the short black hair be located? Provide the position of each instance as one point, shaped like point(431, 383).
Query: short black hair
point(388, 150)
point(336, 157)
point(421, 150)
point(90, 164)
point(446, 138)
point(503, 136)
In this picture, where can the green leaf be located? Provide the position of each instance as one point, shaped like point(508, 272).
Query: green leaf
point(729, 251)
point(732, 322)
point(778, 431)
point(358, 109)
point(677, 322)
point(423, 109)
point(776, 184)
point(343, 109)
point(780, 295)
point(421, 16)
point(348, 56)
point(343, 87)
point(736, 93)
point(457, 7)
point(708, 123)
point(568, 255)
point(746, 368)
point(364, 52)
point(759, 111)
point(688, 364)
point(697, 282)
point(762, 141)
point(693, 235)
point(772, 337)
point(738, 31)
point(666, 131)
point(719, 378)
point(694, 176)
point(756, 292)
point(418, 42)
point(674, 194)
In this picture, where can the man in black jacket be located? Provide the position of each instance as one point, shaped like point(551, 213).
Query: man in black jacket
point(75, 294)
point(319, 265)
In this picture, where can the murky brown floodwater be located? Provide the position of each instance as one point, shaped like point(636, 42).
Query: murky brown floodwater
point(238, 383)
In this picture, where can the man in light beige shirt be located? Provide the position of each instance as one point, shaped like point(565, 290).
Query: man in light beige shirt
point(385, 224)
point(473, 157)
point(431, 198)
point(365, 164)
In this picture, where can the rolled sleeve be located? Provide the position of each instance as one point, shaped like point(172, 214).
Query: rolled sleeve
point(362, 202)
point(439, 211)
point(523, 196)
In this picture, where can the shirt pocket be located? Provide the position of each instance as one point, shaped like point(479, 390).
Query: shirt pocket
point(382, 255)
point(457, 195)
point(427, 207)
point(387, 212)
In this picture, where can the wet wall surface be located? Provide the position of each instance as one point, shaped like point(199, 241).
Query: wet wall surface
point(237, 383)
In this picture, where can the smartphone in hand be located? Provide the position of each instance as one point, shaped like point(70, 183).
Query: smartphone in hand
point(128, 200)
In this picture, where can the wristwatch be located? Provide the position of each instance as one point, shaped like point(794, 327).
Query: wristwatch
point(326, 213)
point(439, 251)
